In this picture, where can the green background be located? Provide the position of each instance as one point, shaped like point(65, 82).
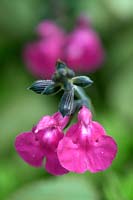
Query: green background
point(111, 94)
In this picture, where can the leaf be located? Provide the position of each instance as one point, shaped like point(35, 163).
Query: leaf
point(63, 188)
point(120, 92)
point(119, 187)
point(122, 9)
point(116, 127)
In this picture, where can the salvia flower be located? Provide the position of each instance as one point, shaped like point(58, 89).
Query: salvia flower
point(86, 146)
point(40, 56)
point(83, 51)
point(41, 143)
point(48, 29)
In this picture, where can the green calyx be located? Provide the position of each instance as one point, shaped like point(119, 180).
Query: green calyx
point(64, 78)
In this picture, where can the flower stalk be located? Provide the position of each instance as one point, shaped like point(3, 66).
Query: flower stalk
point(84, 147)
point(65, 79)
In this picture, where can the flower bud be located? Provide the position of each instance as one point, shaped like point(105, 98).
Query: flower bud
point(40, 85)
point(51, 89)
point(82, 81)
point(67, 102)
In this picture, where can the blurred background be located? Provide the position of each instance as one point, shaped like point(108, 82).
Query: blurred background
point(111, 94)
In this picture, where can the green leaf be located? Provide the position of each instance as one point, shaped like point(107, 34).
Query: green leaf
point(116, 127)
point(122, 9)
point(119, 187)
point(120, 92)
point(62, 188)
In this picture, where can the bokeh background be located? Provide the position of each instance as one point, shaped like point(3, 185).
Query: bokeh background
point(111, 94)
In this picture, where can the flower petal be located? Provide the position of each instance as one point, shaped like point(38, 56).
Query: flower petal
point(61, 121)
point(29, 149)
point(85, 115)
point(53, 165)
point(44, 122)
point(71, 156)
point(96, 130)
point(49, 138)
point(48, 29)
point(101, 153)
point(97, 157)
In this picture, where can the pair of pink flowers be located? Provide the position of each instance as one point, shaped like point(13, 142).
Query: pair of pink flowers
point(81, 49)
point(85, 146)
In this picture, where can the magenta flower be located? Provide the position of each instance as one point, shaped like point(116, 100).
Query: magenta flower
point(83, 50)
point(86, 146)
point(47, 29)
point(41, 143)
point(41, 56)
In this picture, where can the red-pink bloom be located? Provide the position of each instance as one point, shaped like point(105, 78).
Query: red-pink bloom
point(83, 50)
point(42, 143)
point(47, 29)
point(41, 56)
point(86, 146)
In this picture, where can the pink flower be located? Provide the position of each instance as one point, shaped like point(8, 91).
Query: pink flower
point(42, 142)
point(47, 29)
point(86, 146)
point(41, 56)
point(83, 50)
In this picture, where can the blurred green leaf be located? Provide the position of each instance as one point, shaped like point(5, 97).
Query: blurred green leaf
point(21, 114)
point(10, 178)
point(20, 108)
point(116, 127)
point(121, 8)
point(19, 17)
point(120, 93)
point(118, 187)
point(63, 188)
point(98, 13)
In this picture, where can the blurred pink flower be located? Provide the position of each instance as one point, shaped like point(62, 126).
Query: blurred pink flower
point(86, 146)
point(83, 51)
point(42, 142)
point(41, 56)
point(49, 29)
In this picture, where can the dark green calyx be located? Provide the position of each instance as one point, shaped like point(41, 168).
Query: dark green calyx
point(64, 78)
point(60, 65)
point(70, 73)
point(40, 85)
point(51, 89)
point(67, 102)
point(82, 81)
point(62, 72)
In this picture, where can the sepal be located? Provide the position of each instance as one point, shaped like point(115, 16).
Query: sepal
point(67, 102)
point(40, 85)
point(51, 89)
point(82, 81)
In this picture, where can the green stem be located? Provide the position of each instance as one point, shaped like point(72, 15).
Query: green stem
point(80, 93)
